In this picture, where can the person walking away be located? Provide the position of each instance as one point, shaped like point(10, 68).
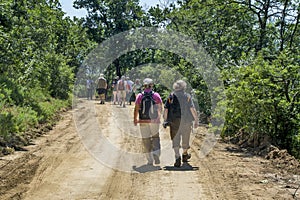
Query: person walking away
point(114, 89)
point(121, 88)
point(147, 112)
point(136, 88)
point(89, 88)
point(101, 88)
point(179, 113)
point(129, 84)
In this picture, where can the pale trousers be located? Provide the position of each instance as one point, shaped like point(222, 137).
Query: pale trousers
point(150, 139)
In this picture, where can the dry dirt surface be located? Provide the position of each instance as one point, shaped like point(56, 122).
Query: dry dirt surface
point(73, 161)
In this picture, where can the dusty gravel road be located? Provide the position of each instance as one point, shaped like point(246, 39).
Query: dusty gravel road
point(94, 152)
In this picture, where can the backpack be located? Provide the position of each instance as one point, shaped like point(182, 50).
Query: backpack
point(121, 85)
point(179, 107)
point(102, 83)
point(148, 109)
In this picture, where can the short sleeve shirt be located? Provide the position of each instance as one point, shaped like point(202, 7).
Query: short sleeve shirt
point(180, 94)
point(122, 84)
point(155, 96)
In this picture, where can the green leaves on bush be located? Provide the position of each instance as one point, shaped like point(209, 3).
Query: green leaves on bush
point(40, 51)
point(263, 98)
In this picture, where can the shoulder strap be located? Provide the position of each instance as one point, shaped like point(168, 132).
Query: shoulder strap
point(148, 93)
point(171, 97)
point(188, 97)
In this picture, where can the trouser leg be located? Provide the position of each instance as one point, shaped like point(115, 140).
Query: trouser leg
point(156, 145)
point(115, 96)
point(177, 153)
point(175, 136)
point(147, 147)
point(147, 142)
point(186, 133)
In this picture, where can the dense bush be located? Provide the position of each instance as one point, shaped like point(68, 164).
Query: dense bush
point(263, 99)
point(40, 51)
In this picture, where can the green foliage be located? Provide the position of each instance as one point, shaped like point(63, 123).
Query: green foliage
point(109, 17)
point(25, 118)
point(263, 99)
point(295, 145)
point(40, 51)
point(7, 124)
point(48, 109)
point(256, 45)
point(15, 120)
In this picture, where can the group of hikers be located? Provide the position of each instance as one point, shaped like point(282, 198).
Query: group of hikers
point(178, 113)
point(124, 90)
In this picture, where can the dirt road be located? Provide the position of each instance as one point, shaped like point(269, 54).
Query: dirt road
point(95, 152)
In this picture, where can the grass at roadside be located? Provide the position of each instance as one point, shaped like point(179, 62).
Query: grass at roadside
point(19, 125)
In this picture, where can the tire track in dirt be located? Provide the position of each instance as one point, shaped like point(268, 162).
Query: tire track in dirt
point(146, 182)
point(230, 173)
point(61, 166)
point(68, 171)
point(14, 178)
point(120, 184)
point(214, 186)
point(18, 170)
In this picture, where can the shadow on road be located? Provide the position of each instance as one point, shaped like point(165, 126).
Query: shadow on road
point(146, 168)
point(184, 167)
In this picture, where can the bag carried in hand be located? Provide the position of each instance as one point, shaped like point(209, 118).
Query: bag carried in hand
point(148, 108)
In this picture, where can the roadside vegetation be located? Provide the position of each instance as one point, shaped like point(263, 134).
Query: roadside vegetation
point(40, 52)
point(255, 45)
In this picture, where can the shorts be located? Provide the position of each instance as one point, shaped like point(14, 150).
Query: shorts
point(101, 90)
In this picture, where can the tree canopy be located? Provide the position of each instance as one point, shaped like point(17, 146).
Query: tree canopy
point(41, 50)
point(254, 44)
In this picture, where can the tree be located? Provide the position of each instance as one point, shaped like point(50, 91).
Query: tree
point(107, 18)
point(40, 51)
point(254, 44)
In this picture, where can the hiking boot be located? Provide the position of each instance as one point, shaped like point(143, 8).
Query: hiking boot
point(186, 157)
point(156, 159)
point(177, 162)
point(150, 163)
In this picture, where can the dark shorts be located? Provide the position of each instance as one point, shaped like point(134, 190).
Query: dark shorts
point(132, 97)
point(101, 90)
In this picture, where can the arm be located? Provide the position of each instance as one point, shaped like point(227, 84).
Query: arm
point(97, 83)
point(159, 104)
point(159, 110)
point(106, 84)
point(195, 115)
point(136, 113)
point(165, 114)
point(166, 109)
